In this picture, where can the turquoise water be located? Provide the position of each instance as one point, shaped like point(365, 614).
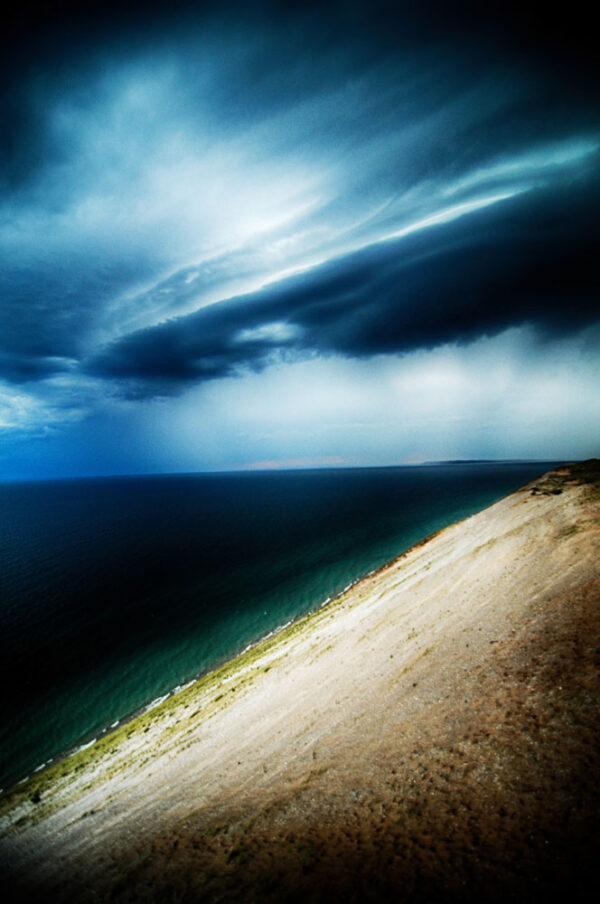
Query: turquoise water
point(115, 591)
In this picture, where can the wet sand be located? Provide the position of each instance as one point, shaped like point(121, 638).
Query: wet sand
point(432, 735)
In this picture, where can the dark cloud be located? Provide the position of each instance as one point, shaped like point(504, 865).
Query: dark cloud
point(166, 167)
point(398, 99)
point(528, 260)
point(48, 307)
point(21, 368)
point(47, 49)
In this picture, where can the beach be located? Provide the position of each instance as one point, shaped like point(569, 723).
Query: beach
point(430, 734)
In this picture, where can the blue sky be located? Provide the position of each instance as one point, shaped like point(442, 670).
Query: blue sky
point(233, 238)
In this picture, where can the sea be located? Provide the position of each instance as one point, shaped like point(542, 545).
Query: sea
point(114, 591)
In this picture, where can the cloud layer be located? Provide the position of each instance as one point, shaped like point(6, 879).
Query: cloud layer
point(510, 263)
point(205, 192)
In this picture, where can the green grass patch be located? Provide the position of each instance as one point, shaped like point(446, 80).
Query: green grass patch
point(40, 793)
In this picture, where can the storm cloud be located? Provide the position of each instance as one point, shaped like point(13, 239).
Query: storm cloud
point(200, 192)
point(516, 263)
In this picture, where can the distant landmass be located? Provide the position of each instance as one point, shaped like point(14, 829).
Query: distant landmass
point(488, 461)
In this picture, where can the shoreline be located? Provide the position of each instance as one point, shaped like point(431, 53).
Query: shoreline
point(225, 664)
point(451, 695)
point(231, 661)
point(128, 718)
point(102, 733)
point(98, 728)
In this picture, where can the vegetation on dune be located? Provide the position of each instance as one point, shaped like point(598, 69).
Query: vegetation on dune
point(578, 473)
point(38, 794)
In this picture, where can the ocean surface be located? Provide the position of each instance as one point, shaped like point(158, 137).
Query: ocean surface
point(114, 591)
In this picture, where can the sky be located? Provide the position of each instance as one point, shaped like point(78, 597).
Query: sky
point(252, 235)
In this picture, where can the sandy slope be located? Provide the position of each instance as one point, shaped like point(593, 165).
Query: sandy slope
point(432, 735)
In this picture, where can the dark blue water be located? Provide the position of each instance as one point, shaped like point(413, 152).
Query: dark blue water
point(113, 591)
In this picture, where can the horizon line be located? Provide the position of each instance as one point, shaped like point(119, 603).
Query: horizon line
point(275, 469)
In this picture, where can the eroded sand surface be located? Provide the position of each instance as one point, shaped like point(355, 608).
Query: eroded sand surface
point(431, 735)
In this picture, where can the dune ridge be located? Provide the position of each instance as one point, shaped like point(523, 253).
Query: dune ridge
point(432, 734)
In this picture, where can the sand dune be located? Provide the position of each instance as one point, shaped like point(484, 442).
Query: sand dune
point(430, 735)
